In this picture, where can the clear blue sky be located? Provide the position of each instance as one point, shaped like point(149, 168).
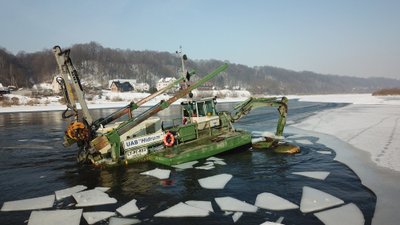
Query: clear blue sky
point(343, 37)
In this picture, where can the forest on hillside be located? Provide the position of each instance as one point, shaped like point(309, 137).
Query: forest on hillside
point(97, 64)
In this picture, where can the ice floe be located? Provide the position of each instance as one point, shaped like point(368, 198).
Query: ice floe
point(325, 152)
point(347, 214)
point(219, 162)
point(320, 175)
point(215, 182)
point(273, 202)
point(183, 210)
point(186, 165)
point(102, 189)
point(235, 205)
point(64, 193)
point(313, 200)
point(158, 173)
point(206, 167)
point(92, 198)
point(213, 158)
point(29, 204)
point(206, 205)
point(270, 223)
point(123, 221)
point(129, 208)
point(58, 217)
point(94, 217)
point(236, 216)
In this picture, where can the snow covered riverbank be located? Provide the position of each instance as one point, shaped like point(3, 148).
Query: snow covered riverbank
point(109, 99)
point(366, 137)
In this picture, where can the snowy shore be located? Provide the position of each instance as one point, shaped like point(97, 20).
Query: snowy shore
point(366, 137)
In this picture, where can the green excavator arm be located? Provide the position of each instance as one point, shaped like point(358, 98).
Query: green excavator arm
point(251, 103)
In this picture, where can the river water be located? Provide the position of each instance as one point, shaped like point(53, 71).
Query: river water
point(33, 163)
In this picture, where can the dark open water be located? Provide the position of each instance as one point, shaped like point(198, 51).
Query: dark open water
point(33, 163)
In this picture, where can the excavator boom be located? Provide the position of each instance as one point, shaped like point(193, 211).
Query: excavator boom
point(251, 103)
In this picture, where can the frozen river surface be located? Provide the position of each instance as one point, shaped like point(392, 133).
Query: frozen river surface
point(34, 164)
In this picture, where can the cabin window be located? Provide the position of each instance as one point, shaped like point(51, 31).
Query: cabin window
point(185, 112)
point(200, 109)
point(210, 108)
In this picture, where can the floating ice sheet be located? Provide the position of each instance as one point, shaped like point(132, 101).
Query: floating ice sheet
point(206, 167)
point(313, 200)
point(58, 217)
point(94, 217)
point(273, 202)
point(220, 162)
point(158, 173)
point(320, 175)
point(129, 208)
point(102, 189)
point(29, 204)
point(64, 193)
point(347, 214)
point(206, 205)
point(236, 216)
point(233, 204)
point(325, 152)
point(213, 158)
point(186, 165)
point(215, 182)
point(92, 198)
point(270, 223)
point(183, 210)
point(123, 221)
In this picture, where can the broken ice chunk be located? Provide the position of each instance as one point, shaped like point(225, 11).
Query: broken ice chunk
point(233, 204)
point(270, 223)
point(321, 175)
point(158, 173)
point(273, 202)
point(123, 221)
point(59, 217)
point(29, 204)
point(313, 200)
point(220, 162)
point(205, 167)
point(102, 189)
point(183, 210)
point(236, 216)
point(215, 182)
point(69, 191)
point(94, 217)
point(129, 208)
point(92, 198)
point(325, 152)
point(213, 158)
point(347, 214)
point(187, 165)
point(201, 205)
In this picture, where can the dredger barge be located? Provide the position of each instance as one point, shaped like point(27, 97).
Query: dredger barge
point(199, 133)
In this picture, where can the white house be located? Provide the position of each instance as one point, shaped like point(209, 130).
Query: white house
point(163, 82)
point(142, 87)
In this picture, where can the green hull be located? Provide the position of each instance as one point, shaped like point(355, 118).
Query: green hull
point(201, 149)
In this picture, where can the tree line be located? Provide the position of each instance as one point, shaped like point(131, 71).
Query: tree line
point(97, 64)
